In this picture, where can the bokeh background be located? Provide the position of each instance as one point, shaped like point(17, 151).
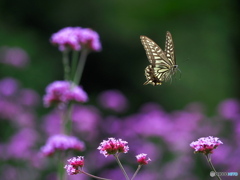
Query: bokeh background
point(206, 39)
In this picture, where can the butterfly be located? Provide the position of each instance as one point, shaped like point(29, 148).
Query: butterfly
point(162, 63)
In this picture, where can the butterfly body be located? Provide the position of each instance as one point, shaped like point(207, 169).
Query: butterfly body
point(162, 63)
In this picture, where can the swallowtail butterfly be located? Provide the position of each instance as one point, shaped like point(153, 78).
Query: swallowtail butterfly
point(162, 63)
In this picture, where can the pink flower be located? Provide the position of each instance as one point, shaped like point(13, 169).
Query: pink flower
point(142, 159)
point(206, 145)
point(62, 142)
point(76, 37)
point(114, 100)
point(62, 92)
point(229, 109)
point(14, 56)
point(113, 146)
point(74, 164)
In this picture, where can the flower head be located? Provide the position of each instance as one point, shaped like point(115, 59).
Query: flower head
point(206, 145)
point(62, 143)
point(142, 159)
point(113, 146)
point(74, 164)
point(14, 56)
point(229, 109)
point(114, 100)
point(62, 92)
point(75, 38)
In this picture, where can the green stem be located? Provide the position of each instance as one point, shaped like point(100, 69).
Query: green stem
point(139, 167)
point(66, 125)
point(120, 165)
point(74, 63)
point(68, 120)
point(81, 63)
point(61, 172)
point(211, 165)
point(66, 65)
point(96, 177)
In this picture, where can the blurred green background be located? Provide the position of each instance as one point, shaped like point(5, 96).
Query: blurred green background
point(205, 34)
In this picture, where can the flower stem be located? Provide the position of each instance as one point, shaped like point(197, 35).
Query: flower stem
point(211, 165)
point(120, 165)
point(96, 177)
point(61, 171)
point(139, 167)
point(74, 63)
point(68, 120)
point(81, 63)
point(66, 66)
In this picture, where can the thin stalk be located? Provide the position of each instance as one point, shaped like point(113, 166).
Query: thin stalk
point(120, 165)
point(66, 123)
point(74, 63)
point(211, 165)
point(61, 172)
point(96, 177)
point(66, 65)
point(81, 63)
point(68, 120)
point(139, 167)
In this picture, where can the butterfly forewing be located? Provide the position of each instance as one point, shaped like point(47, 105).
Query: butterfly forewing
point(155, 54)
point(163, 63)
point(169, 48)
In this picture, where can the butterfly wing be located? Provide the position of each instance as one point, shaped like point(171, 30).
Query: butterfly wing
point(163, 63)
point(155, 54)
point(169, 49)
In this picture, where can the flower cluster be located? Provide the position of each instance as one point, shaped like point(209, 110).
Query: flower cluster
point(206, 145)
point(74, 164)
point(114, 100)
point(62, 92)
point(62, 142)
point(142, 159)
point(14, 56)
point(113, 146)
point(75, 38)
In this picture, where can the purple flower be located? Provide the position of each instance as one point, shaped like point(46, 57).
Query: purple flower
point(86, 121)
point(114, 100)
point(75, 38)
point(229, 109)
point(15, 56)
point(61, 92)
point(52, 123)
point(8, 86)
point(74, 164)
point(21, 144)
point(142, 159)
point(113, 146)
point(29, 97)
point(62, 142)
point(206, 145)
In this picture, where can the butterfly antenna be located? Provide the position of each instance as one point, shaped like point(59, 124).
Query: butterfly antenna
point(180, 73)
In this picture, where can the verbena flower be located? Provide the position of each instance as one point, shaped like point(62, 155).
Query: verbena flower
point(114, 100)
point(206, 145)
point(113, 146)
point(74, 164)
point(76, 37)
point(229, 109)
point(14, 56)
point(62, 92)
point(8, 87)
point(142, 159)
point(62, 142)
